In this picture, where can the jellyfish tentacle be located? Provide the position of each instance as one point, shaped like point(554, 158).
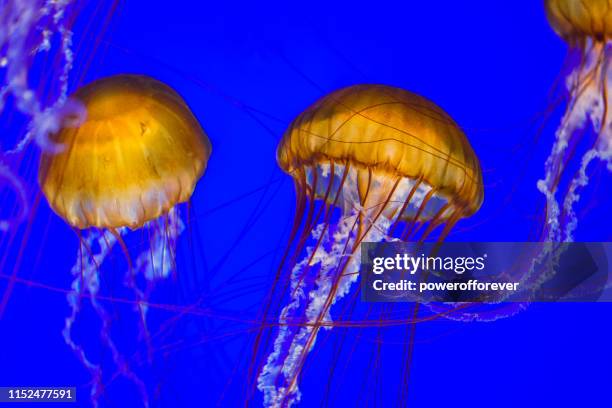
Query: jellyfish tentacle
point(262, 336)
point(154, 263)
point(298, 274)
point(579, 181)
point(400, 215)
point(331, 172)
point(411, 328)
point(140, 308)
point(282, 363)
point(85, 282)
point(320, 234)
point(270, 373)
point(22, 207)
point(333, 254)
point(414, 224)
point(601, 149)
point(587, 107)
point(327, 288)
point(333, 288)
point(27, 29)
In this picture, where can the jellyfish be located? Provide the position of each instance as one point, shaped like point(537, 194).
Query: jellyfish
point(369, 163)
point(127, 165)
point(586, 27)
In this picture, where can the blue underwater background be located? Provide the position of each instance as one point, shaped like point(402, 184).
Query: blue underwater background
point(247, 69)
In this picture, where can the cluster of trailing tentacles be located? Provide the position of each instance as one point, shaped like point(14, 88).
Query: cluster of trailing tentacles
point(29, 30)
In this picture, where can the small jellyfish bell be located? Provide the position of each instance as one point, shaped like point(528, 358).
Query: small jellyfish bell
point(397, 167)
point(137, 153)
point(586, 27)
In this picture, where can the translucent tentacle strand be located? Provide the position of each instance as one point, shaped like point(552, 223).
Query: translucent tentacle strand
point(86, 282)
point(587, 108)
point(15, 184)
point(85, 273)
point(27, 28)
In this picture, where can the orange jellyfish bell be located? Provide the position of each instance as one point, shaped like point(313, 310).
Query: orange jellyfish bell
point(574, 19)
point(388, 136)
point(138, 152)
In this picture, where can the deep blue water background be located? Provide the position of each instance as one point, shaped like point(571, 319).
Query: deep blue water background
point(247, 69)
